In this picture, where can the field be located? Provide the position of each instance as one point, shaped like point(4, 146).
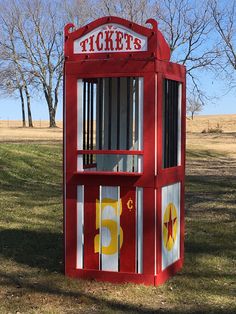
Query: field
point(12, 131)
point(31, 248)
point(200, 123)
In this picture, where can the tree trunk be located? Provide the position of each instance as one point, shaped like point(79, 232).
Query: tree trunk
point(192, 115)
point(22, 107)
point(30, 121)
point(51, 109)
point(52, 118)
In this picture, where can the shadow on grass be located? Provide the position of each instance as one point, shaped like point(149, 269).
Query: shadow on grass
point(214, 248)
point(104, 303)
point(205, 154)
point(36, 249)
point(210, 189)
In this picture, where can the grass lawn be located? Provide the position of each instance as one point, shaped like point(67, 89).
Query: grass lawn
point(31, 247)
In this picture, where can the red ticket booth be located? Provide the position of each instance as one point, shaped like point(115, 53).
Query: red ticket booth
point(124, 153)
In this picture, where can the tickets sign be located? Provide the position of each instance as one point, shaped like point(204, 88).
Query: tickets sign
point(110, 38)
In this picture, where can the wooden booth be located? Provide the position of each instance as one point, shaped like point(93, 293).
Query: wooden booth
point(124, 153)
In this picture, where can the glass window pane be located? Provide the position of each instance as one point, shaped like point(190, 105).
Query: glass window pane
point(171, 123)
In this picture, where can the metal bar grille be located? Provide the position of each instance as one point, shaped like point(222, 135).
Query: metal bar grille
point(88, 118)
point(111, 121)
point(170, 123)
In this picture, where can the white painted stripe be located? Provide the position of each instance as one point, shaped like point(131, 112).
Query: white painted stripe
point(80, 227)
point(176, 201)
point(179, 123)
point(80, 97)
point(100, 227)
point(80, 163)
point(140, 164)
point(155, 135)
point(165, 256)
point(139, 233)
point(118, 225)
point(109, 261)
point(136, 120)
point(140, 123)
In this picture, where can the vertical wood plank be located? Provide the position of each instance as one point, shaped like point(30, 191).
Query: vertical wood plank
point(123, 122)
point(118, 113)
point(148, 231)
point(139, 237)
point(80, 122)
point(114, 104)
point(176, 202)
point(127, 223)
point(70, 227)
point(91, 259)
point(140, 121)
point(80, 227)
point(109, 227)
point(130, 127)
point(165, 200)
point(99, 115)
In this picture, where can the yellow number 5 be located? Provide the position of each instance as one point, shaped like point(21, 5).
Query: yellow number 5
point(111, 225)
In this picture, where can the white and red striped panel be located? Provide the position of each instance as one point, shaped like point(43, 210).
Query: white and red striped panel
point(110, 228)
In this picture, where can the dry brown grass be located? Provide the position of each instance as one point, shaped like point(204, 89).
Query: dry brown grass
point(222, 142)
point(18, 124)
point(200, 123)
point(12, 131)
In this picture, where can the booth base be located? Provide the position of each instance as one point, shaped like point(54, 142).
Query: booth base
point(116, 277)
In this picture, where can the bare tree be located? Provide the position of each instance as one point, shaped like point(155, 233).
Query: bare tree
point(79, 12)
point(35, 44)
point(10, 84)
point(12, 66)
point(194, 106)
point(134, 10)
point(224, 16)
point(187, 26)
point(39, 27)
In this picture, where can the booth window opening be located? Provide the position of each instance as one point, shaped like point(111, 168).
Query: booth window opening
point(171, 120)
point(110, 124)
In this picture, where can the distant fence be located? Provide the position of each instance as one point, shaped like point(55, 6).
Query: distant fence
point(18, 124)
